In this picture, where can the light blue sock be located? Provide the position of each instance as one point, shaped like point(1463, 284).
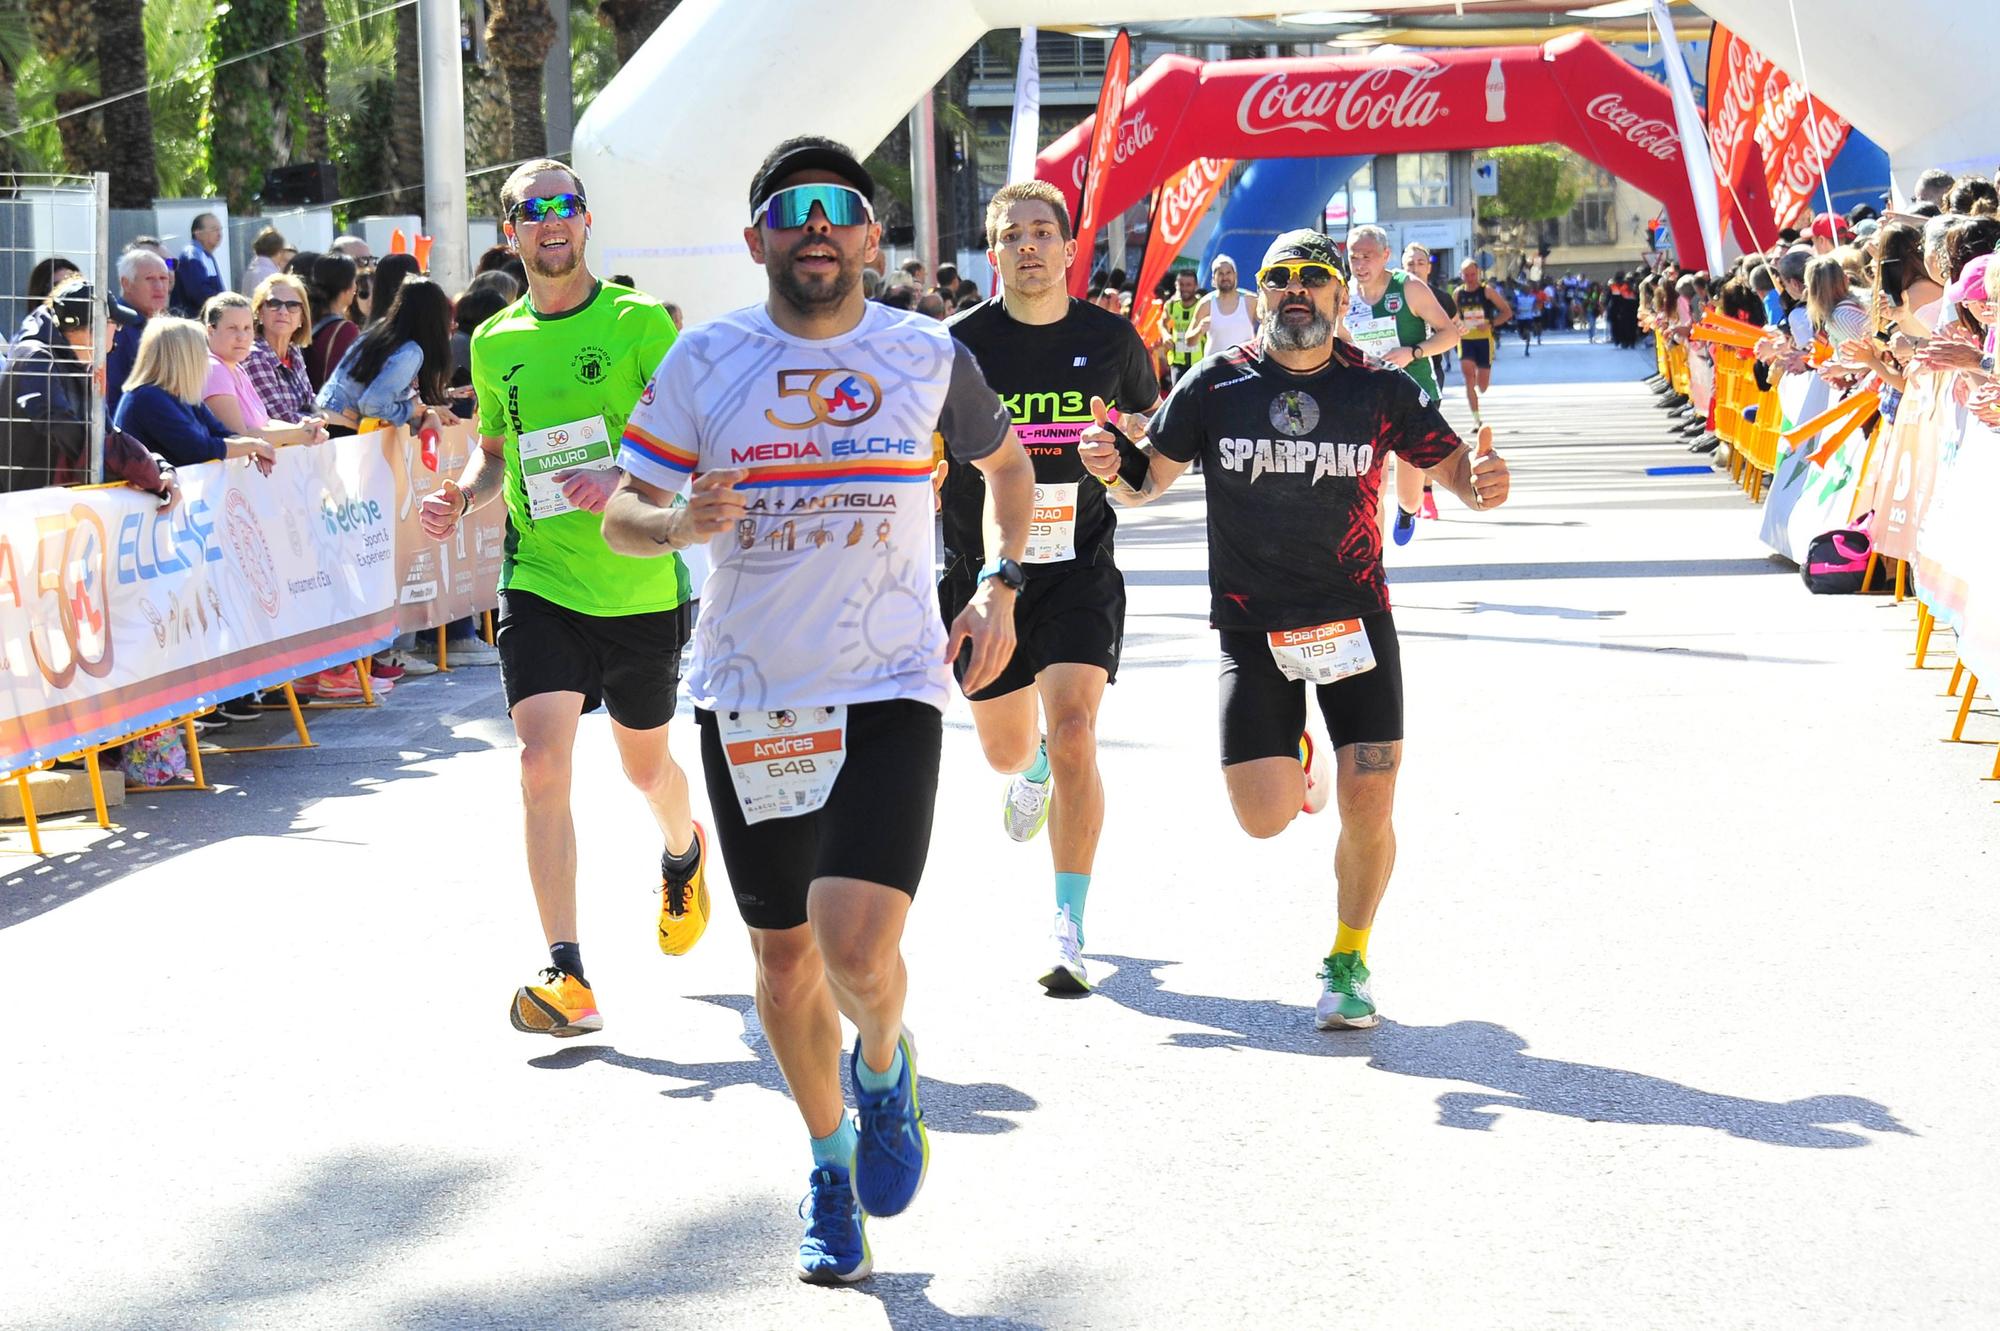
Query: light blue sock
point(1071, 889)
point(1039, 770)
point(872, 1080)
point(837, 1147)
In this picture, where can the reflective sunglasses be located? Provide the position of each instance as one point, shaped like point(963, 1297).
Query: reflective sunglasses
point(1311, 275)
point(789, 209)
point(564, 206)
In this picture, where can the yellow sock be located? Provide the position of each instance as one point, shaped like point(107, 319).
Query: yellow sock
point(1349, 939)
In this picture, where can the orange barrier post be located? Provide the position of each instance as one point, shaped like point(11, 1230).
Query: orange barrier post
point(1925, 622)
point(1957, 673)
point(1964, 707)
point(28, 812)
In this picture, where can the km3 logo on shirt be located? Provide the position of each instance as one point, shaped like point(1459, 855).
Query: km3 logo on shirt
point(828, 397)
point(1295, 457)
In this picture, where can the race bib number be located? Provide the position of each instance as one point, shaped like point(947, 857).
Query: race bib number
point(1324, 653)
point(783, 763)
point(1377, 337)
point(1052, 535)
point(1472, 323)
point(584, 445)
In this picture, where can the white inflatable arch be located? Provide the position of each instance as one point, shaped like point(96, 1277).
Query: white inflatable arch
point(667, 149)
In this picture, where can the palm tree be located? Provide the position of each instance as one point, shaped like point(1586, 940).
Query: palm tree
point(633, 21)
point(518, 36)
point(62, 31)
point(312, 78)
point(406, 171)
point(128, 122)
point(249, 125)
point(17, 44)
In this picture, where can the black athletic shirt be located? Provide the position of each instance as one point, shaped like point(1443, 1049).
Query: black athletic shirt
point(1046, 375)
point(1293, 465)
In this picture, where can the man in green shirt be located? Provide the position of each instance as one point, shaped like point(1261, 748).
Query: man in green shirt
point(1395, 318)
point(556, 374)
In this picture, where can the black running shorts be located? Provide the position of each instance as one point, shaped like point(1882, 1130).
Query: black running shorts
point(1073, 617)
point(1476, 351)
point(874, 826)
point(628, 664)
point(1263, 712)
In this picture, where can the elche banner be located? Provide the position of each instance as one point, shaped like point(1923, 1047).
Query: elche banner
point(1573, 91)
point(1104, 145)
point(117, 617)
point(438, 582)
point(1770, 141)
point(1809, 496)
point(1177, 210)
point(1906, 472)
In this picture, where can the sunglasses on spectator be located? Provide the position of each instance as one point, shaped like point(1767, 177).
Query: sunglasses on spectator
point(789, 209)
point(1310, 275)
point(564, 206)
point(275, 304)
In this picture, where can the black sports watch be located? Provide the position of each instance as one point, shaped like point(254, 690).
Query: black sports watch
point(1007, 571)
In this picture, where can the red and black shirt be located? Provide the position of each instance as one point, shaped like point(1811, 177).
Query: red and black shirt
point(1293, 465)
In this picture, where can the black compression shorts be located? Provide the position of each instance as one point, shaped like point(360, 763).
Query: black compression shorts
point(630, 664)
point(1476, 351)
point(1073, 617)
point(1264, 713)
point(874, 826)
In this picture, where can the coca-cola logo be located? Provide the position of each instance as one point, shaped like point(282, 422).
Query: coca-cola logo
point(1135, 134)
point(1650, 134)
point(1188, 195)
point(1388, 97)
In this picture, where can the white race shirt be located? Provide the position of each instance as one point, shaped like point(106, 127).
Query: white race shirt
point(824, 594)
point(1230, 330)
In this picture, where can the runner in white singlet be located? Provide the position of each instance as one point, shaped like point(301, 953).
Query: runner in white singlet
point(1226, 316)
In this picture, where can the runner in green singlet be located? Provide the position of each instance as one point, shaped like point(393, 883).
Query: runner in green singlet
point(556, 374)
point(1176, 318)
point(1396, 319)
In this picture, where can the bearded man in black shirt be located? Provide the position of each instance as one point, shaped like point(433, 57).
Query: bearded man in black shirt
point(1292, 431)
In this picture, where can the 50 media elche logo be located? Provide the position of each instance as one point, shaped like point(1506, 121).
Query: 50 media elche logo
point(826, 397)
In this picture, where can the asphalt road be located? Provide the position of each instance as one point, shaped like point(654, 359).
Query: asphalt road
point(1686, 970)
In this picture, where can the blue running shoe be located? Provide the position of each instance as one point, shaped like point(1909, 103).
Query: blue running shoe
point(895, 1150)
point(1406, 525)
point(835, 1248)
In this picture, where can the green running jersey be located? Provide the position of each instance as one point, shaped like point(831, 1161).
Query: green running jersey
point(1389, 323)
point(558, 388)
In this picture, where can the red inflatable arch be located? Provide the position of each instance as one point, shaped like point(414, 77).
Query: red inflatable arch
point(1572, 91)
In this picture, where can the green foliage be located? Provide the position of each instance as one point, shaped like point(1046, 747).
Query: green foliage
point(177, 43)
point(247, 126)
point(1538, 182)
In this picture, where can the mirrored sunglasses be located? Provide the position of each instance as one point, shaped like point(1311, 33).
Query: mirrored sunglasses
point(790, 209)
point(564, 206)
point(1311, 275)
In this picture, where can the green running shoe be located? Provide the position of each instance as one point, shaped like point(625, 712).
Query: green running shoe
point(1344, 1000)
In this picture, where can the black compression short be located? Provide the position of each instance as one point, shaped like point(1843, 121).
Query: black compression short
point(874, 826)
point(1263, 712)
point(628, 663)
point(1073, 617)
point(1476, 351)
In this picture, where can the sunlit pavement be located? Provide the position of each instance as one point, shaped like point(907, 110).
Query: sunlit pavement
point(1686, 969)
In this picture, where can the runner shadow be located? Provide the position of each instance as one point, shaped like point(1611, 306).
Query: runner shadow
point(948, 1106)
point(1485, 1054)
point(906, 1302)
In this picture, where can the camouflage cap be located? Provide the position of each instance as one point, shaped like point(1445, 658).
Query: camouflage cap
point(1308, 246)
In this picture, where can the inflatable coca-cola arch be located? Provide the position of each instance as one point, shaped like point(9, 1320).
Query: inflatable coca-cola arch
point(1572, 91)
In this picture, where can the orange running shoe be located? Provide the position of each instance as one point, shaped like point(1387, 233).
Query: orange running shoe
point(560, 1005)
point(684, 902)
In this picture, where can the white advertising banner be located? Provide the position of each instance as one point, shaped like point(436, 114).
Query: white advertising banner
point(116, 617)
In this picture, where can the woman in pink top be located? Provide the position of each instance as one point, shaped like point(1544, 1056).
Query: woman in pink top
point(229, 392)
